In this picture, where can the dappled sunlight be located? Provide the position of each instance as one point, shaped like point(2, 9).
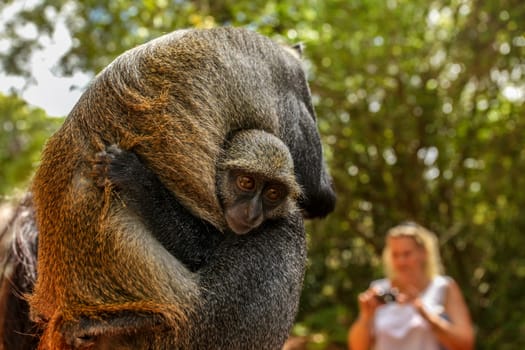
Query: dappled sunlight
point(420, 106)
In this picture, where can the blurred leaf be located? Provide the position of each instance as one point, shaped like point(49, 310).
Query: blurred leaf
point(420, 105)
point(23, 131)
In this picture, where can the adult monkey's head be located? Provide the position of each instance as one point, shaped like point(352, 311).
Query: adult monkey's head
point(298, 129)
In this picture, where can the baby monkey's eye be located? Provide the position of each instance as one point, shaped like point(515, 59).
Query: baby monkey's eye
point(274, 193)
point(245, 183)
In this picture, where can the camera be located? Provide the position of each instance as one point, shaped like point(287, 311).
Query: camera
point(387, 295)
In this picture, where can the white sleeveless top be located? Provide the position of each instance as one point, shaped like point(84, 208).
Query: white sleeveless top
point(398, 326)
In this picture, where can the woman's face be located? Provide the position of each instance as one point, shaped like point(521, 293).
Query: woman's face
point(408, 258)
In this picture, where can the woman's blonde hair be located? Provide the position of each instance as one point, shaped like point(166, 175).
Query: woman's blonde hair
point(423, 238)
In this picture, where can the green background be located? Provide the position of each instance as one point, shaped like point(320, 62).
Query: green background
point(421, 111)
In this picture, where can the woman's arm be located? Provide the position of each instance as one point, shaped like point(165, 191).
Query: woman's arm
point(360, 336)
point(458, 332)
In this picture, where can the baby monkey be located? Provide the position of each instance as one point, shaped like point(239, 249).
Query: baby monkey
point(255, 180)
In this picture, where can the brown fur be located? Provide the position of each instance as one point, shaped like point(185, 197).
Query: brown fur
point(95, 259)
point(17, 275)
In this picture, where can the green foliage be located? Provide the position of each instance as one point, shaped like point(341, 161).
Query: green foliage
point(23, 131)
point(420, 105)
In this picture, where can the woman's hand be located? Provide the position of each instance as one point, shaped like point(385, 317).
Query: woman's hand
point(432, 318)
point(368, 303)
point(457, 331)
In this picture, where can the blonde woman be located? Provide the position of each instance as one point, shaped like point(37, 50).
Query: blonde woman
point(416, 307)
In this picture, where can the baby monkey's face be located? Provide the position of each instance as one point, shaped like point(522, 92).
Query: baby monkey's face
point(252, 198)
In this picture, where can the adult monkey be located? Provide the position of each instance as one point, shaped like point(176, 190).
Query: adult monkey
point(103, 280)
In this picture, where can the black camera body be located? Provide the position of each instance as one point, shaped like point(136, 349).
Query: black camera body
point(387, 295)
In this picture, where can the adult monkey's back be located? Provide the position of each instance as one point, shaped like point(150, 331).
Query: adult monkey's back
point(173, 101)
